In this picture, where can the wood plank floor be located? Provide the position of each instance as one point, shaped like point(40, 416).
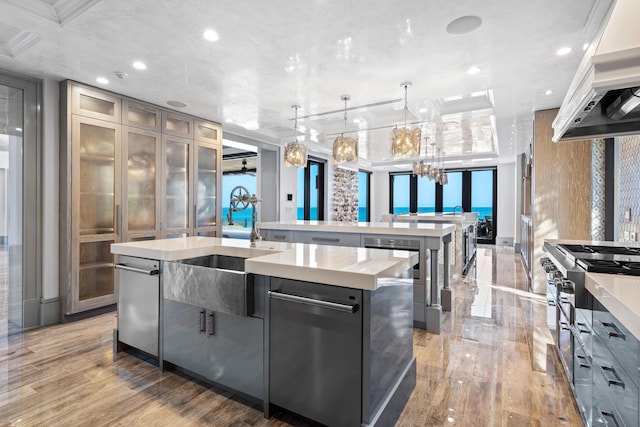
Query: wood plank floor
point(492, 366)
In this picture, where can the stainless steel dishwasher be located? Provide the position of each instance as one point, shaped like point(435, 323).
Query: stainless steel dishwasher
point(138, 303)
point(315, 351)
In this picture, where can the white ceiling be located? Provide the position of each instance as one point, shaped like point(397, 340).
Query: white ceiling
point(273, 54)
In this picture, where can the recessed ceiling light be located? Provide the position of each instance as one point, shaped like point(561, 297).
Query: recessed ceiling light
point(211, 35)
point(585, 46)
point(464, 25)
point(228, 120)
point(356, 120)
point(548, 92)
point(473, 70)
point(102, 80)
point(563, 51)
point(177, 104)
point(422, 110)
point(139, 65)
point(19, 129)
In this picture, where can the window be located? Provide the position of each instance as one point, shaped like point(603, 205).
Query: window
point(311, 191)
point(452, 192)
point(426, 195)
point(364, 196)
point(400, 193)
point(473, 190)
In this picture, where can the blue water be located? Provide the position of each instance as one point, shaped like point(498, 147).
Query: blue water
point(362, 212)
point(240, 218)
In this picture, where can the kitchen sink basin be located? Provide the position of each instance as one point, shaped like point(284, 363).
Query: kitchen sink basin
point(214, 282)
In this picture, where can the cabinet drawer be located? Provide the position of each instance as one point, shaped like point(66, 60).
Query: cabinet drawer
point(332, 239)
point(615, 396)
point(618, 340)
point(583, 327)
point(582, 381)
point(278, 235)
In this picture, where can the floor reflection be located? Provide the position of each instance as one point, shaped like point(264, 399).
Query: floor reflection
point(494, 365)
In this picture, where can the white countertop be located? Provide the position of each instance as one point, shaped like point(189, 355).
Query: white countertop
point(464, 217)
point(389, 228)
point(349, 267)
point(192, 247)
point(620, 295)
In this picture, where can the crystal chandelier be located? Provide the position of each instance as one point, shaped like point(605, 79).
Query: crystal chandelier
point(345, 148)
point(405, 142)
point(434, 172)
point(295, 154)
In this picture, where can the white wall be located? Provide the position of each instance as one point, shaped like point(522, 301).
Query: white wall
point(379, 195)
point(288, 185)
point(50, 189)
point(506, 209)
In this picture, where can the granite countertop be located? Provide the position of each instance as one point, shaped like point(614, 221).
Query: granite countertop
point(620, 295)
point(390, 228)
point(358, 268)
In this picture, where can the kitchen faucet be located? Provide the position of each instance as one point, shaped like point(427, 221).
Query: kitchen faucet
point(456, 207)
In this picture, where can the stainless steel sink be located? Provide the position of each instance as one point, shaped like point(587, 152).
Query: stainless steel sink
point(214, 282)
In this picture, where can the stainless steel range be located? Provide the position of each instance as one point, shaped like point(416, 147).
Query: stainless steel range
point(570, 309)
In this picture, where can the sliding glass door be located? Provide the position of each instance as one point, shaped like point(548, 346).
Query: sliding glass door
point(482, 201)
point(311, 191)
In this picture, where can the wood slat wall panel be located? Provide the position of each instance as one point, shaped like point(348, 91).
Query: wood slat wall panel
point(561, 190)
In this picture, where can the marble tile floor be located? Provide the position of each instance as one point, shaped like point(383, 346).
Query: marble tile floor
point(492, 366)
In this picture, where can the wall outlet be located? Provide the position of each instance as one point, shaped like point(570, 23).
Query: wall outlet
point(625, 236)
point(627, 215)
point(632, 236)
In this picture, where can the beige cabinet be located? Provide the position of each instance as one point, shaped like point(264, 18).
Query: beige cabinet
point(129, 171)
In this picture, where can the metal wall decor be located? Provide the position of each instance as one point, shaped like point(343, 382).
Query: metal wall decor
point(295, 154)
point(345, 148)
point(405, 142)
point(345, 195)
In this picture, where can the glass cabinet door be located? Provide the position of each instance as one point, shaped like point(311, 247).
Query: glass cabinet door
point(177, 189)
point(96, 211)
point(141, 151)
point(206, 188)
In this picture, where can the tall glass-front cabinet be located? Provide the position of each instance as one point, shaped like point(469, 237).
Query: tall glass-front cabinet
point(129, 171)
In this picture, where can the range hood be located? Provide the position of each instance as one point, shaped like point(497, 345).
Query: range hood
point(604, 97)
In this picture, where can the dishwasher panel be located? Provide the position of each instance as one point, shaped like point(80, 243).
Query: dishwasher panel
point(138, 303)
point(316, 351)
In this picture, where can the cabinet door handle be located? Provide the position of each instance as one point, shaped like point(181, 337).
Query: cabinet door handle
point(118, 219)
point(210, 325)
point(583, 361)
point(152, 272)
point(312, 301)
point(581, 326)
point(279, 236)
point(608, 417)
point(201, 322)
point(195, 214)
point(551, 303)
point(565, 326)
point(325, 239)
point(616, 332)
point(612, 376)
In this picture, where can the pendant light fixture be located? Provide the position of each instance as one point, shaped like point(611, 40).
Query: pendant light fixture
point(405, 142)
point(295, 154)
point(345, 148)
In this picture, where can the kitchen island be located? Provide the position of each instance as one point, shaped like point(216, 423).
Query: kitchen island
point(323, 331)
point(431, 291)
point(464, 240)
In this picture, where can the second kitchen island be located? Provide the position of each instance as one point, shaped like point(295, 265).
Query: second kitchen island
point(431, 291)
point(322, 331)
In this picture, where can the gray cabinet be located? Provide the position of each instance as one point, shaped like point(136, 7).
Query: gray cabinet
point(278, 235)
point(324, 238)
point(222, 348)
